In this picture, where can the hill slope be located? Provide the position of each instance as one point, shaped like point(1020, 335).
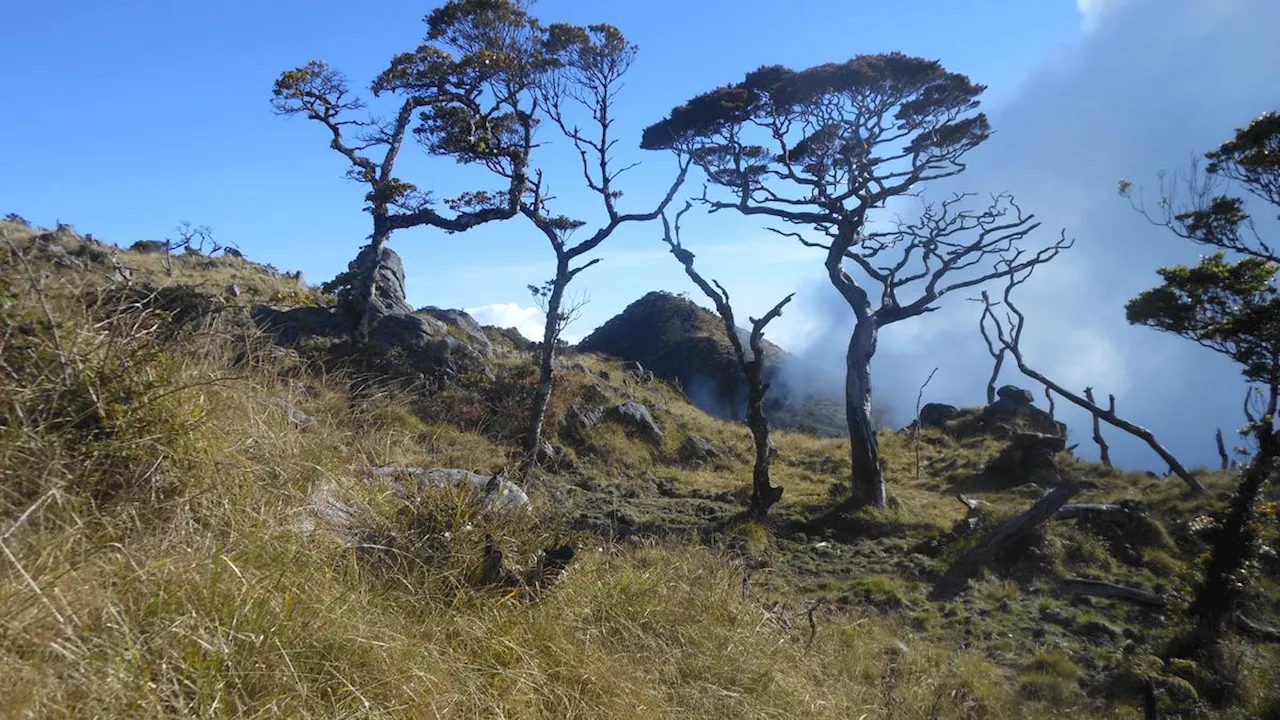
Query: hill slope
point(681, 341)
point(195, 521)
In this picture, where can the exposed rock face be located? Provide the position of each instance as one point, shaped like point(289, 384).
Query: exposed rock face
point(937, 414)
point(674, 339)
point(637, 417)
point(388, 283)
point(417, 344)
point(463, 322)
point(1014, 395)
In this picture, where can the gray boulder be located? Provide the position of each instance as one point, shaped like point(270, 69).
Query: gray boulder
point(1015, 395)
point(696, 451)
point(463, 322)
point(1027, 458)
point(937, 414)
point(637, 417)
point(388, 281)
point(499, 493)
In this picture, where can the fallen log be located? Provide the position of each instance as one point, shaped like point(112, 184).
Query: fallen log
point(1091, 510)
point(963, 567)
point(1256, 630)
point(1097, 588)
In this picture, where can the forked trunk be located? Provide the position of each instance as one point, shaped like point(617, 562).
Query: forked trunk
point(866, 479)
point(763, 494)
point(546, 362)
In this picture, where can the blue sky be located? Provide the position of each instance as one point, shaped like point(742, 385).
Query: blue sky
point(126, 118)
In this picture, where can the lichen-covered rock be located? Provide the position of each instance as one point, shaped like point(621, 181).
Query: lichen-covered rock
point(697, 451)
point(476, 337)
point(637, 417)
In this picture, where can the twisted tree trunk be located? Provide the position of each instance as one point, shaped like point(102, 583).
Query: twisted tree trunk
point(866, 478)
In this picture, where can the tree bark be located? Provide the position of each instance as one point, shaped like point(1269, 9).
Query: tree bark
point(1222, 450)
point(1104, 452)
point(866, 477)
point(546, 359)
point(1235, 544)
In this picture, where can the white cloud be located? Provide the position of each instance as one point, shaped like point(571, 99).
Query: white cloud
point(1092, 11)
point(527, 320)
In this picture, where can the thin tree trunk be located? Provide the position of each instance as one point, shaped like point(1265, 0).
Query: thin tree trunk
point(995, 375)
point(546, 360)
point(1104, 452)
point(866, 477)
point(763, 494)
point(1222, 450)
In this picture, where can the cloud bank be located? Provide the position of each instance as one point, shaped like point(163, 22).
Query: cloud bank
point(1150, 84)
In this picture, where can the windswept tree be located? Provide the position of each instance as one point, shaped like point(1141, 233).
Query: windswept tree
point(465, 93)
point(763, 493)
point(823, 149)
point(589, 64)
point(1230, 306)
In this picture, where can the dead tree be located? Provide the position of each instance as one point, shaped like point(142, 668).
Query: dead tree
point(1104, 452)
point(955, 579)
point(1223, 458)
point(916, 434)
point(591, 63)
point(997, 354)
point(763, 494)
point(464, 93)
point(1010, 339)
point(1048, 396)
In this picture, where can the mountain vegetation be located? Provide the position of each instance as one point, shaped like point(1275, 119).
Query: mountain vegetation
point(227, 492)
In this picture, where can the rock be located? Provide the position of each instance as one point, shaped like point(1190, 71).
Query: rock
point(634, 368)
point(388, 282)
point(697, 451)
point(465, 323)
point(299, 418)
point(1026, 455)
point(937, 414)
point(233, 290)
point(1100, 630)
point(1015, 395)
point(232, 252)
point(499, 493)
point(149, 247)
point(635, 416)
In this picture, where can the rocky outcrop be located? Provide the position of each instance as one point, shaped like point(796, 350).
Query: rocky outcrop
point(411, 344)
point(668, 337)
point(465, 324)
point(1014, 411)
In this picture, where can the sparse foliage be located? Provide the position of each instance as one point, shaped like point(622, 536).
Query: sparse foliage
point(465, 93)
point(588, 66)
point(823, 148)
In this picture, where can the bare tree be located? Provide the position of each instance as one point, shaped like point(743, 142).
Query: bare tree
point(823, 148)
point(763, 494)
point(1104, 452)
point(1010, 339)
point(467, 88)
point(590, 65)
point(1224, 459)
point(916, 434)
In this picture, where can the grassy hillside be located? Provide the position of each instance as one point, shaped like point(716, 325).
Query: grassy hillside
point(179, 540)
